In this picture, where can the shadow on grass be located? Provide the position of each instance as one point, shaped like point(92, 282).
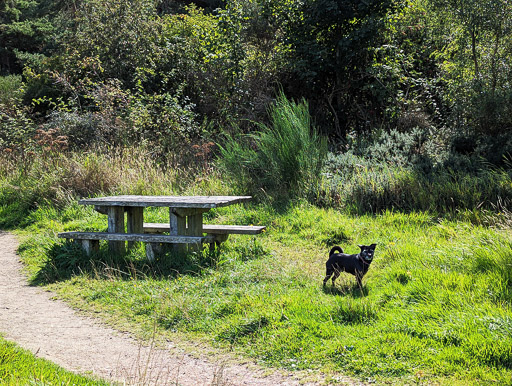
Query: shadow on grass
point(64, 260)
point(14, 215)
point(346, 289)
point(354, 308)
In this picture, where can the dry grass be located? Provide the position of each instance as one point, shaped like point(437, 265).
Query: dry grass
point(27, 181)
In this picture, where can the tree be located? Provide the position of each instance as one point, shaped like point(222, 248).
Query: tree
point(478, 69)
point(27, 31)
point(482, 21)
point(330, 41)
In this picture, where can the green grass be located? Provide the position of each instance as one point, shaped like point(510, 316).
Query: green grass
point(20, 367)
point(436, 303)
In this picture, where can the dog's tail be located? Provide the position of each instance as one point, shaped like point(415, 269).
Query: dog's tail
point(334, 249)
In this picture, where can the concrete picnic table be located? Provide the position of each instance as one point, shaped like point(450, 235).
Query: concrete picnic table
point(185, 224)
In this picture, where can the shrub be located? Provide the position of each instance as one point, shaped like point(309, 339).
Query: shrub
point(17, 130)
point(283, 159)
point(400, 149)
point(83, 130)
point(163, 123)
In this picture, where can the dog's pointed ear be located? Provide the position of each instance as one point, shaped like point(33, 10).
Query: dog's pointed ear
point(373, 246)
point(360, 246)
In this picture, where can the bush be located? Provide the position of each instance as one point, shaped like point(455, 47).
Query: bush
point(83, 130)
point(163, 123)
point(399, 149)
point(17, 130)
point(283, 159)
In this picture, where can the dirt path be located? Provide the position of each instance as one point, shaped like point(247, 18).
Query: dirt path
point(52, 330)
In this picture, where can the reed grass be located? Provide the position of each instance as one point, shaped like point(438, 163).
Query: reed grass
point(283, 159)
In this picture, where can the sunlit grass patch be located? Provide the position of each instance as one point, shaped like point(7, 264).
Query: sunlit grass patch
point(20, 367)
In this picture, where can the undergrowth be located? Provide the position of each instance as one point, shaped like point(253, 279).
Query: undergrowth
point(362, 186)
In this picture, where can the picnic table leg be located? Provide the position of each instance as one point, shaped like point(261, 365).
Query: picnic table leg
point(135, 222)
point(116, 225)
point(195, 228)
point(218, 240)
point(178, 226)
point(91, 246)
point(152, 249)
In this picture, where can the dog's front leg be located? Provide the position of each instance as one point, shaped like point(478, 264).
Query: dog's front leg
point(359, 277)
point(328, 273)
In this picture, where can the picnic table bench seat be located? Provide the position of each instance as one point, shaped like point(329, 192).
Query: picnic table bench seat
point(144, 237)
point(90, 240)
point(219, 232)
point(210, 229)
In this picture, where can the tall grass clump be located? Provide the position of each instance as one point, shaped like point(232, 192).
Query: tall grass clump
point(282, 159)
point(363, 186)
point(494, 258)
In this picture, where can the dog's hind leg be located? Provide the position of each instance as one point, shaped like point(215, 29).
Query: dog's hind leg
point(328, 274)
point(335, 276)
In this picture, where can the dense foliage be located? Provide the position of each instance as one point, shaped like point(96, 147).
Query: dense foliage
point(171, 76)
point(413, 97)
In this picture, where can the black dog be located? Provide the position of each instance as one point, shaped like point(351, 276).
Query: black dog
point(357, 265)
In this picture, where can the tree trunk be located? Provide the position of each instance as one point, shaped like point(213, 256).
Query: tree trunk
point(473, 51)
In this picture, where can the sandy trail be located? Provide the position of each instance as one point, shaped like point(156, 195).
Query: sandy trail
point(51, 329)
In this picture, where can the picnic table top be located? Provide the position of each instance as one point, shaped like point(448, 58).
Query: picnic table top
point(168, 201)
